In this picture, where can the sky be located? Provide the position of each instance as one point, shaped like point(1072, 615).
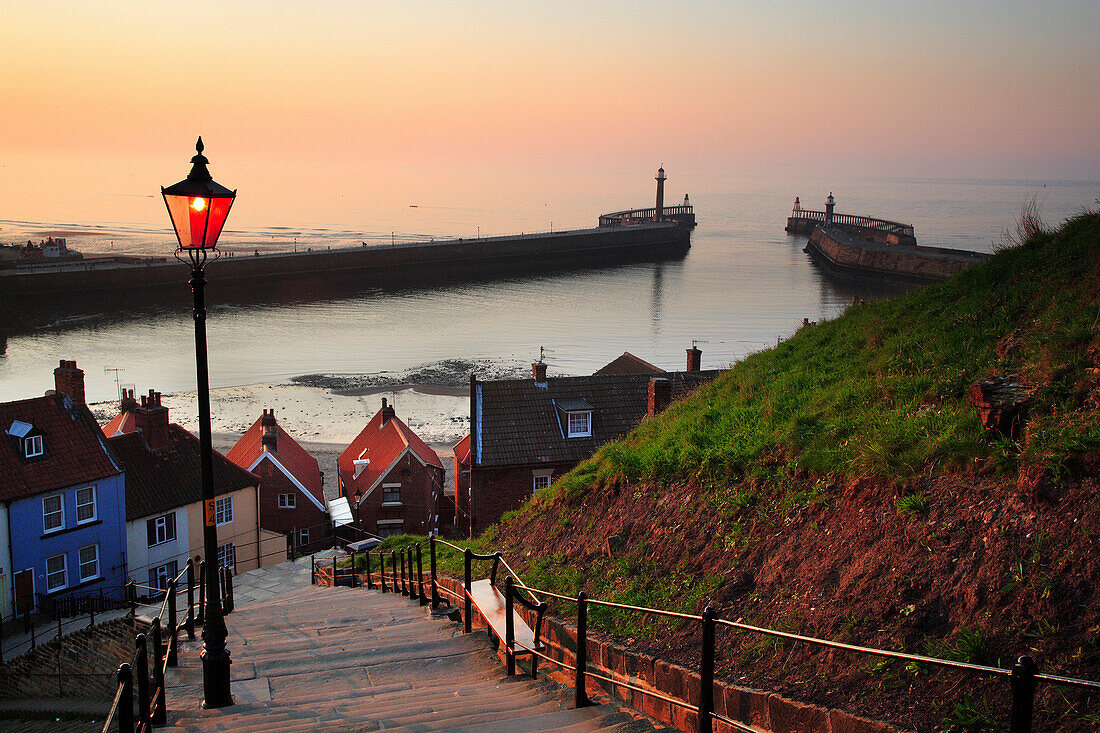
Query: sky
point(326, 106)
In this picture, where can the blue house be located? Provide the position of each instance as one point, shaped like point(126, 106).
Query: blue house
point(64, 497)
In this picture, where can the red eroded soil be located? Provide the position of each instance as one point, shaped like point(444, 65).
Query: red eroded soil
point(1015, 560)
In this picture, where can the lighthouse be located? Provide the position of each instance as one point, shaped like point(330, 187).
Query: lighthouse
point(829, 204)
point(658, 212)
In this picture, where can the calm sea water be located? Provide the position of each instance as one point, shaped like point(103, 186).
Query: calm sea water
point(743, 284)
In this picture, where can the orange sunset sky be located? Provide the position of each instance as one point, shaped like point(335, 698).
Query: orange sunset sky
point(343, 95)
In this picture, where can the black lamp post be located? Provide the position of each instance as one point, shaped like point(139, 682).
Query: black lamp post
point(198, 207)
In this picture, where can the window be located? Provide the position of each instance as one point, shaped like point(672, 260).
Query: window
point(303, 538)
point(223, 509)
point(391, 494)
point(85, 504)
point(162, 529)
point(89, 562)
point(32, 446)
point(390, 527)
point(159, 576)
point(227, 556)
point(56, 575)
point(287, 501)
point(541, 480)
point(53, 513)
point(580, 424)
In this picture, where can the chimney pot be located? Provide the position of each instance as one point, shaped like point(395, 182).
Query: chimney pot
point(538, 370)
point(151, 419)
point(69, 380)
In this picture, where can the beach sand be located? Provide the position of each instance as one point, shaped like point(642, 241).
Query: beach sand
point(323, 421)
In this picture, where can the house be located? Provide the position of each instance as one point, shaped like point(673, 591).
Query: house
point(164, 522)
point(392, 478)
point(462, 486)
point(524, 433)
point(292, 497)
point(63, 499)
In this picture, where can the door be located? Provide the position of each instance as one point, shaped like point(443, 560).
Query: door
point(24, 590)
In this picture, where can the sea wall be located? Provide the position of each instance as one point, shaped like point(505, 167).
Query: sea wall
point(375, 264)
point(837, 250)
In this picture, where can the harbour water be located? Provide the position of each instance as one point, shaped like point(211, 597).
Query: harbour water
point(743, 284)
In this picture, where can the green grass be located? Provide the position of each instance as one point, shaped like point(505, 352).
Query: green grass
point(882, 390)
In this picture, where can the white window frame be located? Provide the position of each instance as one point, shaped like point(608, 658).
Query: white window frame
point(391, 487)
point(303, 538)
point(79, 506)
point(161, 525)
point(579, 431)
point(64, 572)
point(288, 501)
point(160, 575)
point(81, 562)
point(541, 480)
point(59, 513)
point(227, 556)
point(223, 510)
point(33, 446)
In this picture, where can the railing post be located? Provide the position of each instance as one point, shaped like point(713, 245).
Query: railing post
point(509, 628)
point(126, 699)
point(420, 575)
point(172, 630)
point(412, 583)
point(404, 589)
point(706, 675)
point(142, 654)
point(382, 570)
point(468, 559)
point(312, 570)
point(370, 578)
point(435, 587)
point(393, 571)
point(190, 600)
point(200, 617)
point(334, 571)
point(580, 690)
point(27, 623)
point(228, 590)
point(1023, 694)
point(158, 715)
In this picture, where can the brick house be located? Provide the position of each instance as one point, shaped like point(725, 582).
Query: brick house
point(461, 511)
point(62, 501)
point(524, 433)
point(292, 497)
point(164, 507)
point(392, 479)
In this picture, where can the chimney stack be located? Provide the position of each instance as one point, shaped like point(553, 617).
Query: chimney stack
point(538, 370)
point(694, 358)
point(128, 403)
point(152, 420)
point(270, 437)
point(660, 395)
point(388, 413)
point(69, 380)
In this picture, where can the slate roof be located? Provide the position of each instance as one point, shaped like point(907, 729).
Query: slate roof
point(291, 455)
point(75, 450)
point(169, 477)
point(629, 364)
point(518, 423)
point(382, 444)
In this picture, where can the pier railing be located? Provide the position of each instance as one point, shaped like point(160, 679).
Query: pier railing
point(867, 222)
point(635, 216)
point(406, 577)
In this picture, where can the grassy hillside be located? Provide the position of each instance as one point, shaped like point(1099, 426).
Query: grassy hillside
point(841, 484)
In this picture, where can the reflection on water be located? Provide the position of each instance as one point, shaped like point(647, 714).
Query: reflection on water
point(743, 284)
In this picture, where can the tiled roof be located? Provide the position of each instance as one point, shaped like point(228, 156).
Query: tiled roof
point(520, 423)
point(629, 364)
point(121, 423)
point(169, 477)
point(462, 450)
point(75, 450)
point(382, 445)
point(292, 456)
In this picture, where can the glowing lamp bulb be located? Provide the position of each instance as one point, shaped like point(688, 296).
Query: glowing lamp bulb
point(198, 204)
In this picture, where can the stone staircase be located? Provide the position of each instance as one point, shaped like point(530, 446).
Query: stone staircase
point(349, 659)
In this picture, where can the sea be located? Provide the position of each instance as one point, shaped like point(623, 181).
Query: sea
point(743, 286)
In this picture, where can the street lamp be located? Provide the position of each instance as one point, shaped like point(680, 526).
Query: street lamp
point(198, 208)
point(356, 498)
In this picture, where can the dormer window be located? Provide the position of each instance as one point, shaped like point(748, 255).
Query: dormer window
point(580, 424)
point(576, 418)
point(32, 446)
point(30, 440)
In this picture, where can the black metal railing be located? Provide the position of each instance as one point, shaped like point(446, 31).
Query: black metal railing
point(78, 604)
point(1022, 679)
point(866, 222)
point(634, 216)
point(151, 709)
